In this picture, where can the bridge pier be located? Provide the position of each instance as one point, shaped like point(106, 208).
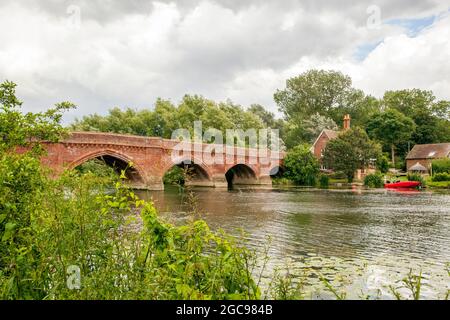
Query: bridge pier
point(220, 181)
point(154, 184)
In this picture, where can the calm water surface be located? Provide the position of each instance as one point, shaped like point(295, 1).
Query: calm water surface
point(361, 240)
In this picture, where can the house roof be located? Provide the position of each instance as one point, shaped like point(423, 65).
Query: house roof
point(426, 151)
point(418, 167)
point(331, 134)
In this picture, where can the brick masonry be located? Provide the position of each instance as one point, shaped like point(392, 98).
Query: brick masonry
point(152, 158)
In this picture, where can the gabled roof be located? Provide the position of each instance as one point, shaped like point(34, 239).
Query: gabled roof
point(426, 151)
point(331, 134)
point(418, 167)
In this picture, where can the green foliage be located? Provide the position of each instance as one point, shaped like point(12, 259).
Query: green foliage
point(441, 177)
point(441, 165)
point(297, 129)
point(416, 177)
point(281, 181)
point(121, 248)
point(301, 166)
point(20, 130)
point(166, 118)
point(391, 128)
point(412, 282)
point(319, 99)
point(431, 117)
point(311, 92)
point(324, 181)
point(374, 180)
point(175, 176)
point(350, 151)
point(75, 221)
point(382, 164)
point(97, 167)
point(338, 175)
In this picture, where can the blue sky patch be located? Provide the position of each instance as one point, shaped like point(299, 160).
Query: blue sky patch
point(413, 26)
point(362, 51)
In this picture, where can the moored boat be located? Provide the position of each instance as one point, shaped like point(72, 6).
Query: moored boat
point(402, 184)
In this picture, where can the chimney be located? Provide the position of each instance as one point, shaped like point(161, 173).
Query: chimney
point(347, 122)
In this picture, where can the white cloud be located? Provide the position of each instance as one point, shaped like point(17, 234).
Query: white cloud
point(127, 54)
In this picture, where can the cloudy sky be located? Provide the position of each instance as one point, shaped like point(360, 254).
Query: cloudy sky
point(100, 54)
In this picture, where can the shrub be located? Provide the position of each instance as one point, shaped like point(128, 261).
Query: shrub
point(324, 181)
point(120, 246)
point(281, 181)
point(441, 165)
point(97, 167)
point(383, 164)
point(338, 175)
point(441, 177)
point(175, 176)
point(416, 177)
point(374, 180)
point(301, 166)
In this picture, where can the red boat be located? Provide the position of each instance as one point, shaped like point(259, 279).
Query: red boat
point(402, 184)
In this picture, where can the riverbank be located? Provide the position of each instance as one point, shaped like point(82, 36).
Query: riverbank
point(360, 239)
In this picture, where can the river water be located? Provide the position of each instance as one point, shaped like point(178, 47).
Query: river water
point(361, 240)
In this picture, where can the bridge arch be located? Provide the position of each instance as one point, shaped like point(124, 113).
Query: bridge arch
point(199, 174)
point(277, 171)
point(241, 174)
point(118, 161)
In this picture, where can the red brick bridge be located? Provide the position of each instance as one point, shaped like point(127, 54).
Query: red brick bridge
point(152, 157)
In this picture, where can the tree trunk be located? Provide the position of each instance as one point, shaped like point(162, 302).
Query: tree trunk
point(393, 155)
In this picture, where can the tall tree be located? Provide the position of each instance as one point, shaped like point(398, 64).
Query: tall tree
point(432, 118)
point(350, 151)
point(392, 128)
point(313, 91)
point(301, 166)
point(315, 124)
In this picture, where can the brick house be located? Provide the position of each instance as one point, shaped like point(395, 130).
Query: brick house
point(321, 142)
point(326, 135)
point(422, 155)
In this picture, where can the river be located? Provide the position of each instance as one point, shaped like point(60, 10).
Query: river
point(360, 240)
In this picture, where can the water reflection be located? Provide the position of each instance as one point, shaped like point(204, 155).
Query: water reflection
point(370, 237)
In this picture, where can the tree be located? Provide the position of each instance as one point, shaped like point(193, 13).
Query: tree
point(383, 164)
point(391, 127)
point(311, 92)
point(301, 166)
point(350, 151)
point(267, 117)
point(432, 118)
point(19, 129)
point(325, 93)
point(315, 124)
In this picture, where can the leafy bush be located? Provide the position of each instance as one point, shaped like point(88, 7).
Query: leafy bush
point(301, 166)
point(338, 175)
point(416, 177)
point(324, 181)
point(120, 246)
point(374, 181)
point(97, 167)
point(383, 164)
point(441, 165)
point(441, 177)
point(175, 176)
point(281, 181)
point(52, 230)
